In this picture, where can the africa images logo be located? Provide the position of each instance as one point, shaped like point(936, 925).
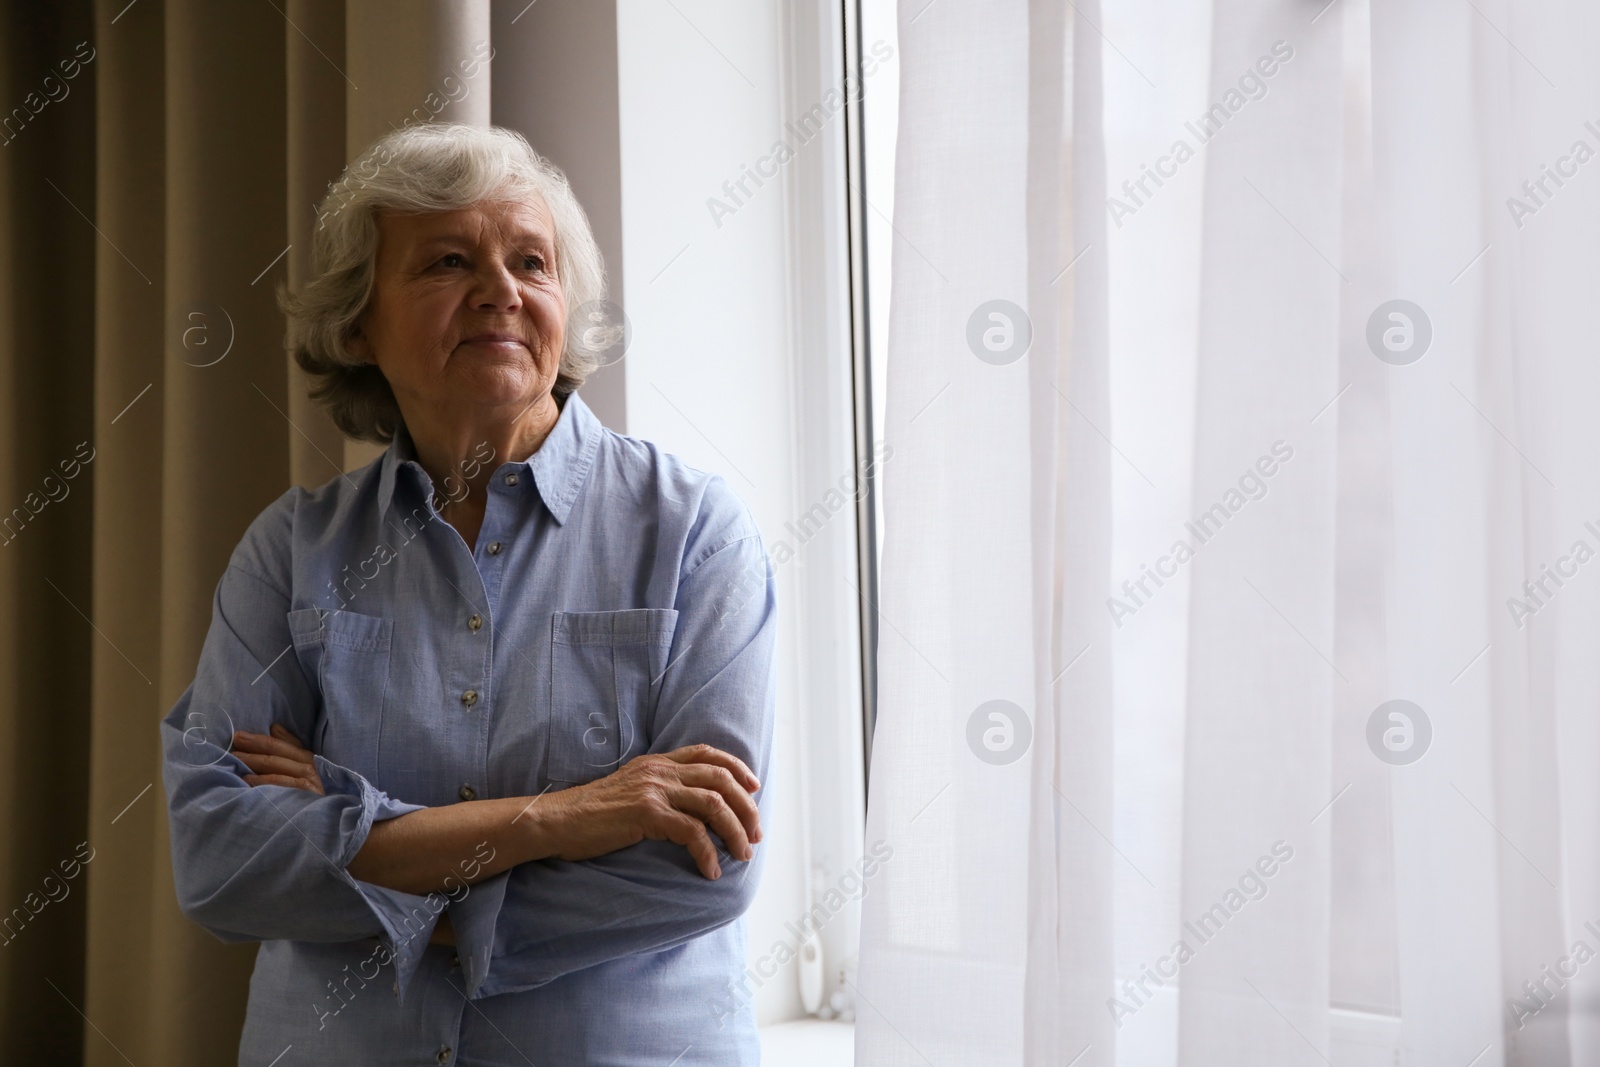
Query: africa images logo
point(1250, 86)
point(1252, 485)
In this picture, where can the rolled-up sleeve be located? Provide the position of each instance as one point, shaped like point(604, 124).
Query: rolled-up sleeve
point(538, 921)
point(269, 862)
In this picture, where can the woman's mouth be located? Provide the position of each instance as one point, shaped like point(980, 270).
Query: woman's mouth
point(497, 342)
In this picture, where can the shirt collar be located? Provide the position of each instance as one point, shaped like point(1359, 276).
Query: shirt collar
point(558, 469)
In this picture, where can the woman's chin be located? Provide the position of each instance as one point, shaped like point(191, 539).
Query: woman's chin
point(500, 386)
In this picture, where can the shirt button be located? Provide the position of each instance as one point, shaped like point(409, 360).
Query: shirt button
point(494, 548)
point(467, 793)
point(470, 697)
point(444, 1055)
point(511, 479)
point(475, 623)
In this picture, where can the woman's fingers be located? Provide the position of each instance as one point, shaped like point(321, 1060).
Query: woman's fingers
point(282, 732)
point(271, 746)
point(719, 758)
point(313, 785)
point(721, 781)
point(266, 764)
point(690, 832)
point(277, 759)
point(710, 808)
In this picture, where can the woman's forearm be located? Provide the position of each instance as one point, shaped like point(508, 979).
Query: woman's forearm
point(684, 796)
point(441, 849)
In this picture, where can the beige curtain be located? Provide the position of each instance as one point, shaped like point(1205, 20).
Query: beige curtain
point(147, 200)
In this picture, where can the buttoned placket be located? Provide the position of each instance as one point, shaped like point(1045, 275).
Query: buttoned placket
point(470, 628)
point(501, 513)
point(502, 510)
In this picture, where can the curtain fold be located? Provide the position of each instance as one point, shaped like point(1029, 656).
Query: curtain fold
point(1070, 951)
point(1445, 533)
point(47, 251)
point(1261, 676)
point(225, 443)
point(129, 366)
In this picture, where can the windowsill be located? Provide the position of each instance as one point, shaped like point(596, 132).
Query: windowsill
point(808, 1043)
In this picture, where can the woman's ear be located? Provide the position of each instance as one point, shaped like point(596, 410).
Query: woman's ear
point(356, 344)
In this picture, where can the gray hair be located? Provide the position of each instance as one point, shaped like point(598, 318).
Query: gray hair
point(432, 167)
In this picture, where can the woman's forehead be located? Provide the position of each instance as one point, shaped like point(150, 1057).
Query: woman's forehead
point(518, 221)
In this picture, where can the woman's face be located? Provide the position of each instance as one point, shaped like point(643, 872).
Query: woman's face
point(467, 312)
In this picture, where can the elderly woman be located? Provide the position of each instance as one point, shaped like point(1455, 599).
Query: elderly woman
point(475, 741)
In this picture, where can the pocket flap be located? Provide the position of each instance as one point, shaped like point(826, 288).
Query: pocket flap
point(343, 629)
point(630, 626)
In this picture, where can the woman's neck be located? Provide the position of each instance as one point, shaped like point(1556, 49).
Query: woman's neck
point(461, 455)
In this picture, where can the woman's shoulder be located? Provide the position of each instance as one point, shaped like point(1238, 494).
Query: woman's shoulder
point(266, 550)
point(708, 506)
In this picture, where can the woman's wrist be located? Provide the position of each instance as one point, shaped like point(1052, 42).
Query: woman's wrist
point(538, 826)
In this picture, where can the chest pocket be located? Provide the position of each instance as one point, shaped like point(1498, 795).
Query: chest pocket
point(605, 675)
point(348, 656)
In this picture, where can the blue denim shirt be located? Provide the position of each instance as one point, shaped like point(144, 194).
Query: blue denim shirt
point(617, 602)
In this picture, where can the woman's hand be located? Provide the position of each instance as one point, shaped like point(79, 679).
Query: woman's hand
point(277, 759)
point(681, 796)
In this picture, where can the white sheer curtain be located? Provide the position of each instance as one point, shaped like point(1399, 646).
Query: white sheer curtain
point(1232, 855)
point(991, 925)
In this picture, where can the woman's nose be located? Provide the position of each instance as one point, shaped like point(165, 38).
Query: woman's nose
point(496, 290)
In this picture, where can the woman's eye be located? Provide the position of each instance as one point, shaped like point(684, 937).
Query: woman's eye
point(533, 263)
point(454, 259)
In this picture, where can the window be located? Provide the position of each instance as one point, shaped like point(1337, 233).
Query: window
point(875, 52)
